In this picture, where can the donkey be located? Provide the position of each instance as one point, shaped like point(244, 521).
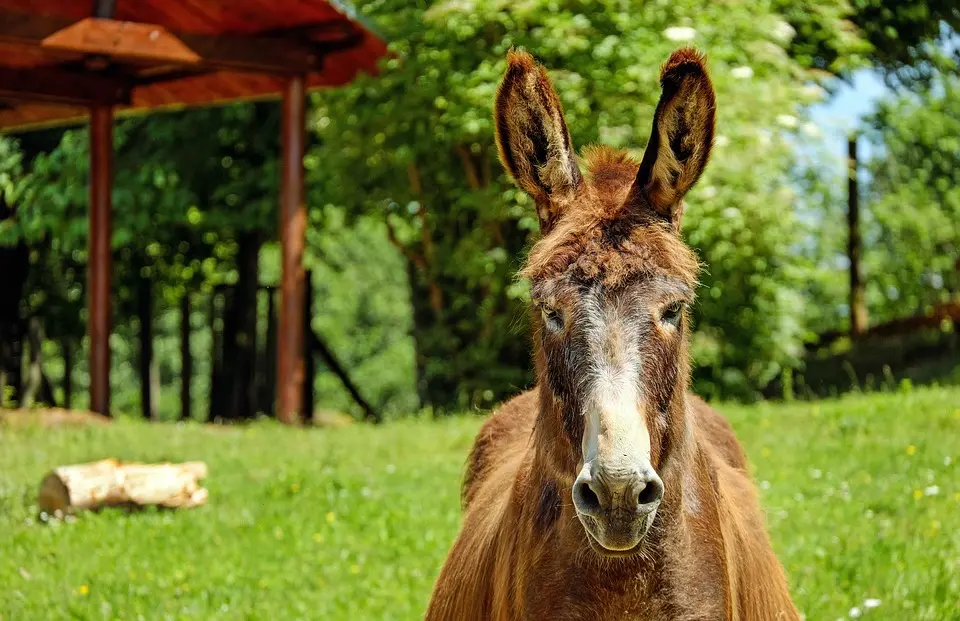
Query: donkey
point(608, 491)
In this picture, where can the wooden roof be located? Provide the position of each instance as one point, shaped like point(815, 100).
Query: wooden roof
point(57, 59)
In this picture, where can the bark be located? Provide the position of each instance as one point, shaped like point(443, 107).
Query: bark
point(67, 348)
point(858, 298)
point(38, 388)
point(216, 354)
point(107, 483)
point(240, 334)
point(148, 400)
point(186, 359)
point(268, 366)
point(309, 365)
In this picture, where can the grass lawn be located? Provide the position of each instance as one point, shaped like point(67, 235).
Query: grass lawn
point(862, 496)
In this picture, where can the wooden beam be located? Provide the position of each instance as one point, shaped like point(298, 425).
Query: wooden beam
point(118, 39)
point(99, 268)
point(293, 228)
point(62, 87)
point(134, 40)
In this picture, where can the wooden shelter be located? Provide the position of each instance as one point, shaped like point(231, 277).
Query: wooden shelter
point(64, 61)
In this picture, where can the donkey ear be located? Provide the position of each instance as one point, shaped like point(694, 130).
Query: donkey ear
point(533, 139)
point(682, 136)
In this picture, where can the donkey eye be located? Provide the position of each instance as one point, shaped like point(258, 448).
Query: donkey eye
point(671, 314)
point(552, 319)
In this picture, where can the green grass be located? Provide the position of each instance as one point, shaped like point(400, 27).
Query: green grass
point(354, 524)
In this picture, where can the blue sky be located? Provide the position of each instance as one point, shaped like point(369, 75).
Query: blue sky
point(842, 112)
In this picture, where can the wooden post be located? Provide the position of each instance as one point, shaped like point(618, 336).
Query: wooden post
point(99, 264)
point(293, 225)
point(858, 298)
point(310, 367)
point(186, 359)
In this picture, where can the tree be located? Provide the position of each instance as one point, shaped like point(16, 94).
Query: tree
point(422, 134)
point(914, 199)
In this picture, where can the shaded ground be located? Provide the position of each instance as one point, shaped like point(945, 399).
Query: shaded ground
point(862, 495)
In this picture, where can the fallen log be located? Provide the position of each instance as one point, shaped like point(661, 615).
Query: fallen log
point(111, 483)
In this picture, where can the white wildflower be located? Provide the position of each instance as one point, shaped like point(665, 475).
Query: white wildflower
point(933, 490)
point(782, 31)
point(811, 129)
point(680, 33)
point(764, 485)
point(813, 92)
point(816, 473)
point(742, 72)
point(871, 603)
point(855, 612)
point(787, 120)
point(708, 191)
point(721, 141)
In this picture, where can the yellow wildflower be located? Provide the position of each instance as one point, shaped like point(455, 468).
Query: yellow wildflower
point(83, 590)
point(911, 450)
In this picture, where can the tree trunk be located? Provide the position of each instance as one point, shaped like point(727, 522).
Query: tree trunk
point(186, 359)
point(858, 299)
point(217, 303)
point(15, 264)
point(110, 483)
point(38, 388)
point(268, 358)
point(309, 363)
point(148, 402)
point(240, 333)
point(67, 350)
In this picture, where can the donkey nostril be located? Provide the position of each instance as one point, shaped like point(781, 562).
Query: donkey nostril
point(587, 500)
point(651, 493)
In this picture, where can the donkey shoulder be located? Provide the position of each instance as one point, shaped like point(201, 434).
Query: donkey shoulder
point(505, 431)
point(715, 429)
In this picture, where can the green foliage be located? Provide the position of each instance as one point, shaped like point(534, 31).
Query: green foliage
point(914, 200)
point(909, 40)
point(423, 132)
point(861, 501)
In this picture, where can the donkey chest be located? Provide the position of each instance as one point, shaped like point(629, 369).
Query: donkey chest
point(692, 593)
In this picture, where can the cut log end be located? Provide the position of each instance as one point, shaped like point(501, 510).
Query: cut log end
point(110, 483)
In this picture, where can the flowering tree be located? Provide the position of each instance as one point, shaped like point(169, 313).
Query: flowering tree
point(422, 134)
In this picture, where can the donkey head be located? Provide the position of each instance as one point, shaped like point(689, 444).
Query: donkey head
point(611, 281)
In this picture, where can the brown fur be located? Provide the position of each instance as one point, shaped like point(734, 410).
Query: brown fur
point(522, 553)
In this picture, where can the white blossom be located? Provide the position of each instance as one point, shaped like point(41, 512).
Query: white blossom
point(813, 92)
point(933, 490)
point(811, 129)
point(743, 72)
point(787, 120)
point(782, 31)
point(871, 603)
point(721, 141)
point(855, 612)
point(680, 33)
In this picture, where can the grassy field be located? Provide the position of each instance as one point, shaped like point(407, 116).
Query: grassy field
point(862, 496)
